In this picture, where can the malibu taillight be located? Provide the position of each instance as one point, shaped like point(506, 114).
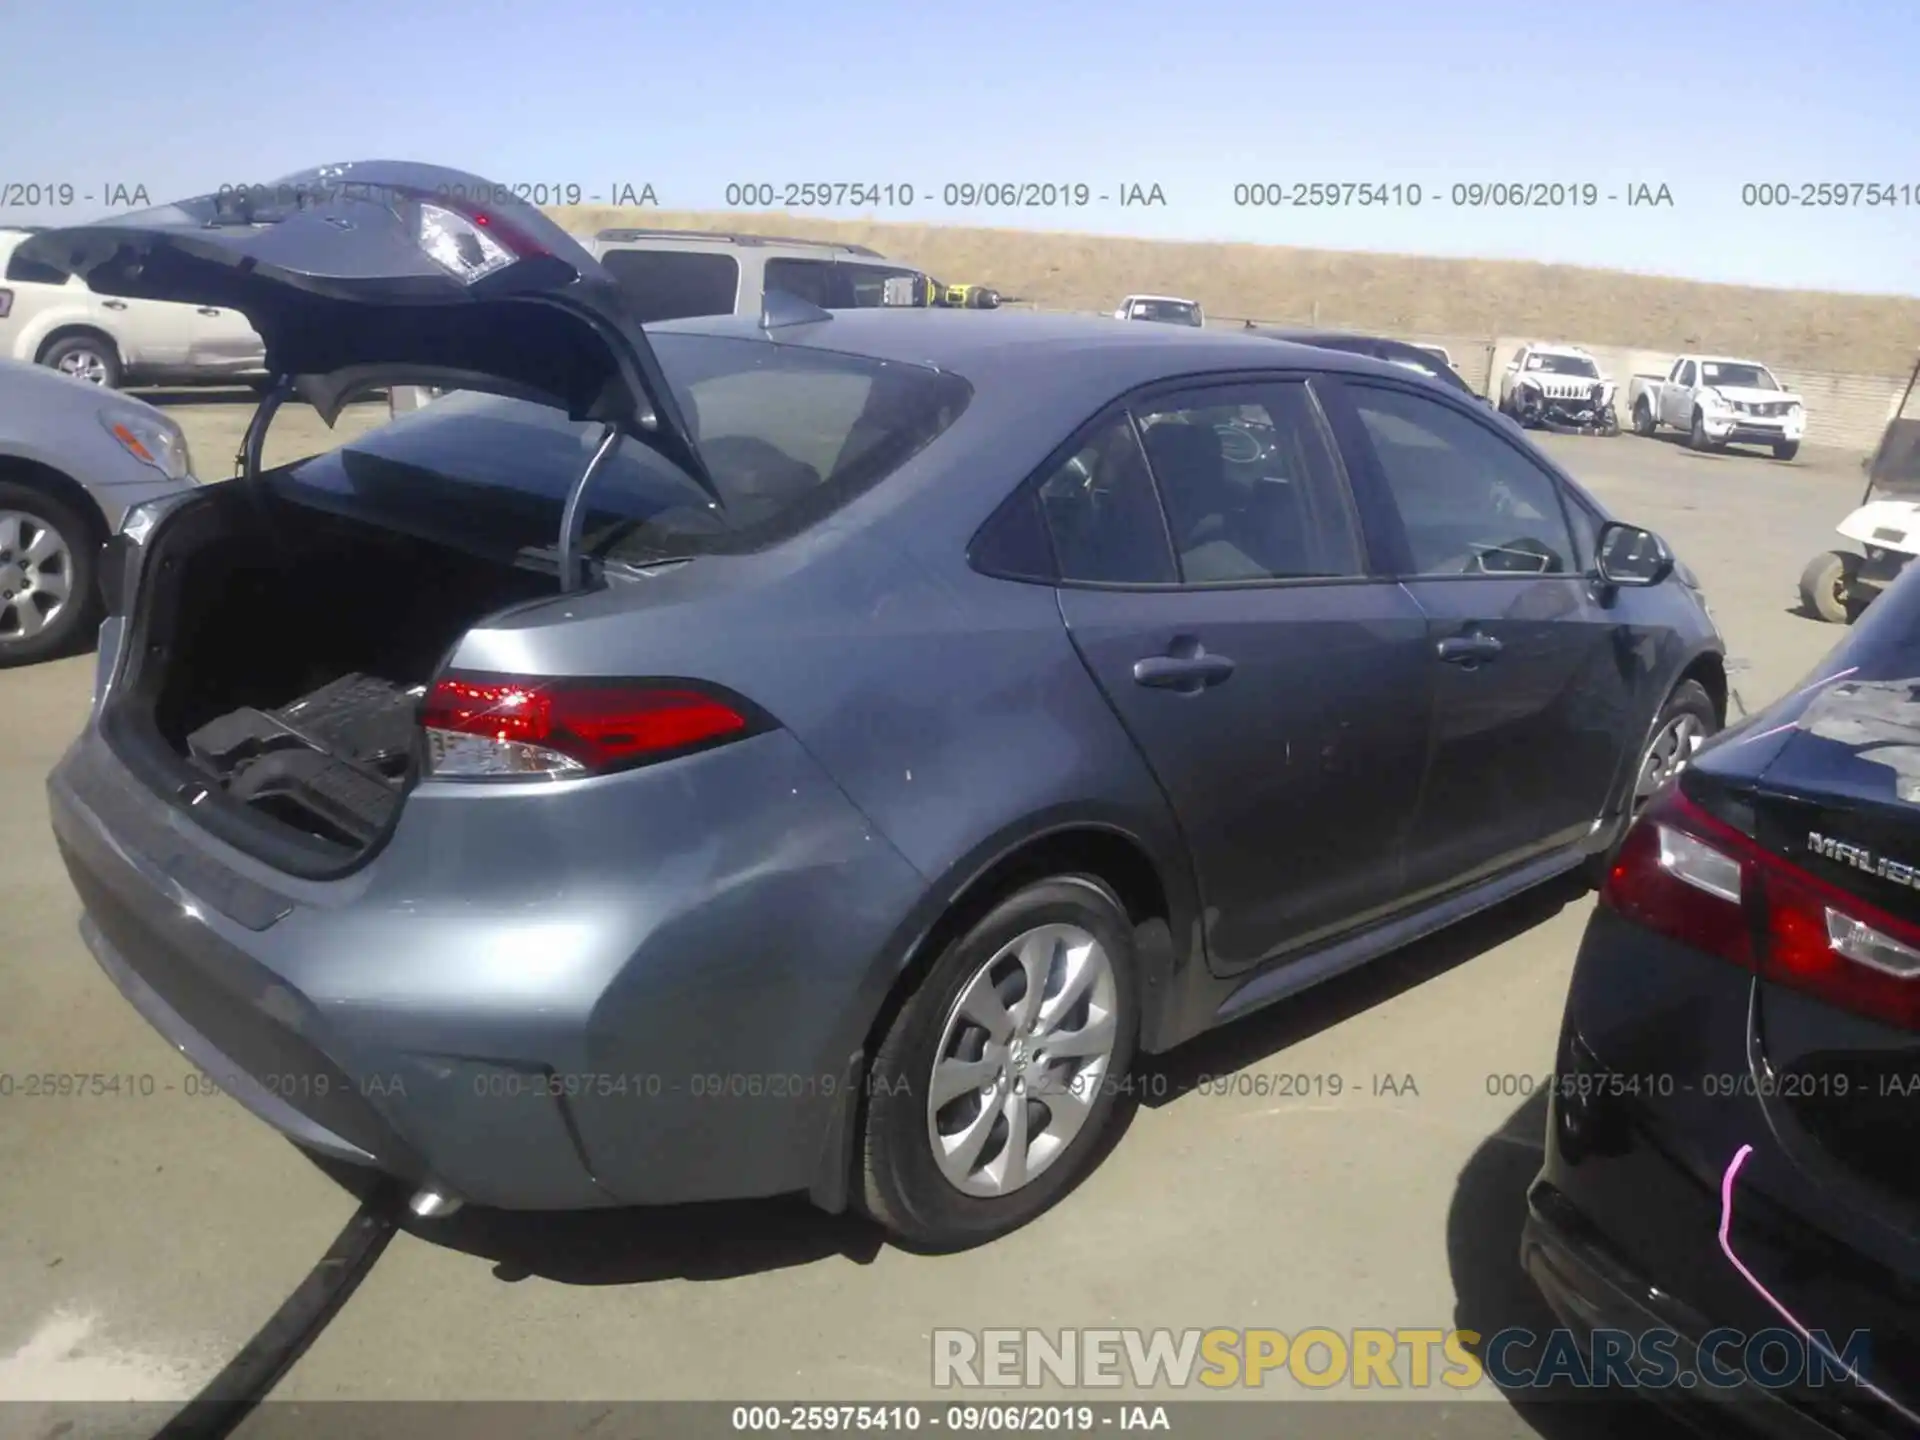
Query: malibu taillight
point(1687, 875)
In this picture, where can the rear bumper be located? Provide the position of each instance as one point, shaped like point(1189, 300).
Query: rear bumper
point(607, 1004)
point(1589, 1288)
point(1649, 1108)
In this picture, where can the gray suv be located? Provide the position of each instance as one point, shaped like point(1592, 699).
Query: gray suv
point(685, 274)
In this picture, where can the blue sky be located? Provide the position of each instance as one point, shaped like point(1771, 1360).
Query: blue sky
point(1195, 97)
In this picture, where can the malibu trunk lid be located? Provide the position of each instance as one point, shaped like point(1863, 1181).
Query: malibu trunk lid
point(394, 272)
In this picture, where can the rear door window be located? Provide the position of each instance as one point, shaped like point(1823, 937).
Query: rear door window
point(1251, 485)
point(1102, 514)
point(675, 284)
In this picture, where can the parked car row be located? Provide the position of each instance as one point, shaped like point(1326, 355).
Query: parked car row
point(682, 274)
point(621, 702)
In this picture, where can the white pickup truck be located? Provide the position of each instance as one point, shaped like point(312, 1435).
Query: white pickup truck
point(1719, 401)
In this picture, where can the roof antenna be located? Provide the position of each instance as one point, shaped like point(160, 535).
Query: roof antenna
point(780, 310)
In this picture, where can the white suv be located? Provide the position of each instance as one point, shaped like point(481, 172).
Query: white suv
point(64, 325)
point(680, 274)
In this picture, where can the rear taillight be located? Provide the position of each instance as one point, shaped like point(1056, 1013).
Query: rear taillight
point(6, 303)
point(1822, 940)
point(1698, 880)
point(1681, 872)
point(505, 727)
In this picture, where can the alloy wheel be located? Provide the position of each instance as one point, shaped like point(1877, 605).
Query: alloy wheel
point(1669, 753)
point(1022, 1059)
point(84, 365)
point(36, 575)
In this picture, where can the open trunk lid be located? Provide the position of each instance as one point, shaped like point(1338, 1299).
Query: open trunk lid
point(392, 272)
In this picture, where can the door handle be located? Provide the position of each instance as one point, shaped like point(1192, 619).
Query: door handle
point(113, 304)
point(1190, 673)
point(1468, 649)
point(208, 310)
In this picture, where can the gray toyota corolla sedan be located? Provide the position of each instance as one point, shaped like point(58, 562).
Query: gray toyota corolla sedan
point(817, 754)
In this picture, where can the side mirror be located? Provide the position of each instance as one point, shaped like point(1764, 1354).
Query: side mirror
point(1629, 556)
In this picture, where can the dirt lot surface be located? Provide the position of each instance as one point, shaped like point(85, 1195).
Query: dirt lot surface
point(148, 1236)
point(1400, 294)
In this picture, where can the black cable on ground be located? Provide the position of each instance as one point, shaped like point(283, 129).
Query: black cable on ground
point(230, 1396)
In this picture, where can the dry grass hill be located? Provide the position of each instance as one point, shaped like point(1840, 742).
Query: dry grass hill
point(1398, 294)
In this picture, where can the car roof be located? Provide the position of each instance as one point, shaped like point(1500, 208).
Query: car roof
point(1725, 360)
point(642, 236)
point(1175, 299)
point(1023, 351)
point(1557, 349)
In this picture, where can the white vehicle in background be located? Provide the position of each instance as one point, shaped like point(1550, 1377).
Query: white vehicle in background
point(1166, 309)
point(1558, 387)
point(1439, 352)
point(1719, 401)
point(59, 323)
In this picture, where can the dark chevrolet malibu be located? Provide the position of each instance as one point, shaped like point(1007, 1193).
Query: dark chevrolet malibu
point(816, 754)
point(1733, 1145)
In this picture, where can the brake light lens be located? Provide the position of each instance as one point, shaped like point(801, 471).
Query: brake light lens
point(504, 727)
point(1680, 872)
point(6, 303)
point(1687, 875)
point(462, 245)
point(1824, 941)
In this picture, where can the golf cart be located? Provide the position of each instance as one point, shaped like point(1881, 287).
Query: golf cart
point(1838, 585)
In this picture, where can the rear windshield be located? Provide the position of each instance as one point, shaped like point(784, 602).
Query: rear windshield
point(1750, 377)
point(1169, 311)
point(789, 435)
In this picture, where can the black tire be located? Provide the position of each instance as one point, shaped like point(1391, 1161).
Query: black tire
point(1825, 583)
point(1786, 449)
point(1689, 697)
point(1697, 433)
point(903, 1188)
point(98, 350)
point(80, 613)
point(1610, 422)
point(1643, 421)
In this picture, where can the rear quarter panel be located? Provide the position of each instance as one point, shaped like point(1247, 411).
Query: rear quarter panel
point(950, 708)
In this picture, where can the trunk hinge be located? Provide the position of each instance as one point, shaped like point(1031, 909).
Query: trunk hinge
point(246, 464)
point(573, 518)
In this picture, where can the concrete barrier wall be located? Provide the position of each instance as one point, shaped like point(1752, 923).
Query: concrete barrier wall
point(1843, 411)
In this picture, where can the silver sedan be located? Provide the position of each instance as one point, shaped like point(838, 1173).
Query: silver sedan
point(73, 460)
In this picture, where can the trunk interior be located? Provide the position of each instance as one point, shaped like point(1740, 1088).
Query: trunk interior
point(281, 656)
